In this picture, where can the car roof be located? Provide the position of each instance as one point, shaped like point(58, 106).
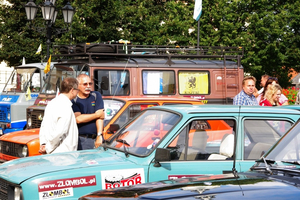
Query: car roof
point(193, 109)
point(152, 98)
point(162, 62)
point(37, 65)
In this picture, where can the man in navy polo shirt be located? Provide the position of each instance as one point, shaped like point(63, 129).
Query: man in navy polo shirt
point(88, 108)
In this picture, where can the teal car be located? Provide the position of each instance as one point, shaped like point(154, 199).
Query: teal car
point(163, 142)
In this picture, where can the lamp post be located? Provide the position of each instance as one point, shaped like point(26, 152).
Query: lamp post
point(49, 12)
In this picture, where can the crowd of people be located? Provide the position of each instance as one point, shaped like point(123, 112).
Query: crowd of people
point(269, 95)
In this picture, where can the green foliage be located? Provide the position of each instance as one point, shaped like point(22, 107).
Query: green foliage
point(267, 29)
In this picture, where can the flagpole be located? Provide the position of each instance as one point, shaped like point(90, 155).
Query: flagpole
point(196, 16)
point(198, 37)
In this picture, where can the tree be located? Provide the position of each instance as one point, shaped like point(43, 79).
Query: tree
point(268, 30)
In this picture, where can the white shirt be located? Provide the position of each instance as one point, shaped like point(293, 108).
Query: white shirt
point(261, 90)
point(59, 129)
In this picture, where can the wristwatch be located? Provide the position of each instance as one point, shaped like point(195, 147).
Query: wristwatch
point(98, 134)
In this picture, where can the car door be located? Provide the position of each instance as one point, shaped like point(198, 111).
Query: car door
point(204, 146)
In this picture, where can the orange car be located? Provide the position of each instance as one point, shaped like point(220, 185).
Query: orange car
point(118, 111)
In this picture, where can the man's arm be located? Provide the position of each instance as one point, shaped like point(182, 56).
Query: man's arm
point(84, 118)
point(100, 127)
point(42, 142)
point(42, 134)
point(235, 100)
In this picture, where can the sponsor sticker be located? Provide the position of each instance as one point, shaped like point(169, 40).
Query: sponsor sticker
point(63, 187)
point(121, 178)
point(91, 162)
point(41, 102)
point(55, 194)
point(199, 97)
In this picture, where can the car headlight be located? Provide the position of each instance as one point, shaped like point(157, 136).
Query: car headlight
point(29, 122)
point(8, 116)
point(22, 151)
point(18, 193)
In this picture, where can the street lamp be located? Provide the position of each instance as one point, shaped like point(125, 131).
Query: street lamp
point(49, 12)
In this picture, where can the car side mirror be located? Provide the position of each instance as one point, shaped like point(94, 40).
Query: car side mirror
point(161, 155)
point(113, 128)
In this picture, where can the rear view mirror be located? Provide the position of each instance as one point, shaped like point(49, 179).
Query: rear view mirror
point(114, 127)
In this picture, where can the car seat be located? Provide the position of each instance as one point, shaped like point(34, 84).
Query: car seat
point(226, 148)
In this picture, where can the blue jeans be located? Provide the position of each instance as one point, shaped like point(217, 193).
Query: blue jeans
point(85, 143)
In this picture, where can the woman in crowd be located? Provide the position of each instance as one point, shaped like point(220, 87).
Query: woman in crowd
point(283, 100)
point(272, 96)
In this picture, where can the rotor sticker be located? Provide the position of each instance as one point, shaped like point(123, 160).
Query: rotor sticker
point(121, 178)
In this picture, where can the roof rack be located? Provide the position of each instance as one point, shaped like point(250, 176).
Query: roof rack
point(92, 50)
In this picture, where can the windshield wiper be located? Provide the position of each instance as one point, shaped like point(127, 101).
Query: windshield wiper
point(124, 142)
point(267, 166)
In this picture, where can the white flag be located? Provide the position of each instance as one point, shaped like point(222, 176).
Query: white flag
point(197, 9)
point(39, 49)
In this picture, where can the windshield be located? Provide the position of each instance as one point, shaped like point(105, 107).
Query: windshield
point(143, 134)
point(288, 148)
point(23, 78)
point(111, 108)
point(57, 74)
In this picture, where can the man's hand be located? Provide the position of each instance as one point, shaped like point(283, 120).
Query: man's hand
point(100, 114)
point(98, 141)
point(42, 149)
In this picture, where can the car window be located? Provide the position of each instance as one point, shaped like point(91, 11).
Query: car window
point(260, 135)
point(112, 82)
point(131, 112)
point(145, 132)
point(158, 82)
point(111, 108)
point(287, 150)
point(204, 140)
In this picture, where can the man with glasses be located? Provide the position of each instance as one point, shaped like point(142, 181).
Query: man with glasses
point(88, 108)
point(59, 132)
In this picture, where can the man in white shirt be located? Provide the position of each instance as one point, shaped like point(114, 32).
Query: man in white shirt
point(59, 132)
